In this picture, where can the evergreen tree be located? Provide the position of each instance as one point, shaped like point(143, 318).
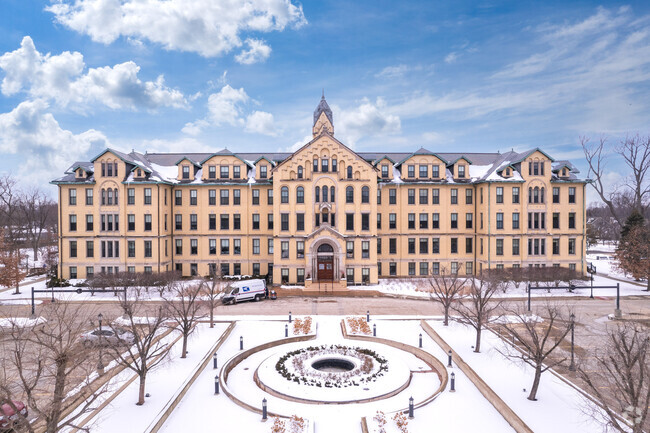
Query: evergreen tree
point(633, 251)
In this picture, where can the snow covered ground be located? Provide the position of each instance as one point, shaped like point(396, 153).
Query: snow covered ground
point(462, 411)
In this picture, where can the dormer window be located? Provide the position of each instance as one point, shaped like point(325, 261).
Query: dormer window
point(80, 173)
point(224, 172)
point(384, 171)
point(186, 172)
point(536, 168)
point(263, 172)
point(236, 173)
point(506, 172)
point(424, 171)
point(461, 171)
point(411, 171)
point(139, 173)
point(212, 172)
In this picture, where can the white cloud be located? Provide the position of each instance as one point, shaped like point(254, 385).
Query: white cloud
point(195, 128)
point(258, 52)
point(61, 78)
point(260, 122)
point(207, 27)
point(226, 106)
point(47, 148)
point(367, 120)
point(181, 145)
point(395, 71)
point(451, 57)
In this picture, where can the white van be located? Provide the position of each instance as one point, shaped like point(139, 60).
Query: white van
point(248, 290)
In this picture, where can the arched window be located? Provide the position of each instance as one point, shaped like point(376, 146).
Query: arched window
point(325, 248)
point(536, 195)
point(349, 172)
point(332, 193)
point(300, 195)
point(284, 195)
point(315, 165)
point(115, 192)
point(300, 172)
point(317, 194)
point(110, 196)
point(334, 165)
point(530, 195)
point(349, 195)
point(541, 195)
point(325, 194)
point(103, 196)
point(365, 195)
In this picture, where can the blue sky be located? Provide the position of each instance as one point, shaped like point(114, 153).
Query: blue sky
point(200, 75)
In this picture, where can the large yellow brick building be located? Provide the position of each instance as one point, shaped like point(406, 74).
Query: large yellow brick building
point(322, 214)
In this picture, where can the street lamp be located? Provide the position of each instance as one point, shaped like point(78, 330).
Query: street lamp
point(264, 409)
point(216, 384)
point(449, 358)
point(572, 366)
point(592, 270)
point(453, 383)
point(420, 341)
point(214, 361)
point(411, 408)
point(100, 364)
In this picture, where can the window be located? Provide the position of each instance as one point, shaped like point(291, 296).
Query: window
point(365, 221)
point(300, 195)
point(269, 196)
point(349, 194)
point(179, 247)
point(378, 245)
point(147, 222)
point(556, 194)
point(468, 245)
point(212, 172)
point(315, 165)
point(556, 246)
point(468, 220)
point(300, 221)
point(269, 248)
point(499, 194)
point(263, 173)
point(212, 197)
point(284, 249)
point(349, 249)
point(256, 246)
point(392, 221)
point(324, 164)
point(515, 194)
point(454, 220)
point(384, 171)
point(224, 172)
point(194, 246)
point(284, 221)
point(178, 197)
point(300, 172)
point(379, 221)
point(468, 196)
point(572, 220)
point(73, 223)
point(178, 222)
point(212, 222)
point(378, 196)
point(349, 221)
point(212, 246)
point(334, 166)
point(515, 247)
point(500, 220)
point(186, 171)
point(269, 224)
point(72, 196)
point(349, 172)
point(110, 197)
point(225, 246)
point(454, 196)
point(435, 171)
point(423, 171)
point(536, 247)
point(147, 249)
point(435, 220)
point(193, 222)
point(365, 195)
point(224, 197)
point(89, 223)
point(89, 196)
point(73, 272)
point(236, 246)
point(499, 247)
point(453, 243)
point(300, 272)
point(424, 196)
point(411, 171)
point(411, 196)
point(435, 196)
point(461, 171)
point(256, 196)
point(435, 246)
point(424, 268)
point(300, 249)
point(572, 195)
point(224, 222)
point(469, 268)
point(411, 221)
point(392, 246)
point(147, 196)
point(130, 196)
point(411, 245)
point(515, 220)
point(572, 246)
point(392, 196)
point(73, 248)
point(130, 247)
point(424, 246)
point(556, 220)
point(236, 197)
point(193, 197)
point(349, 274)
point(284, 194)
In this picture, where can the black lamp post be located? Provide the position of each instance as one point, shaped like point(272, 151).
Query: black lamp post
point(286, 330)
point(214, 361)
point(449, 358)
point(367, 315)
point(453, 383)
point(592, 270)
point(216, 384)
point(572, 366)
point(100, 364)
point(411, 416)
point(241, 343)
point(264, 410)
point(420, 345)
point(289, 316)
point(374, 329)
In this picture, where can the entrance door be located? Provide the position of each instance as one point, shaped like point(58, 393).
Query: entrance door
point(325, 263)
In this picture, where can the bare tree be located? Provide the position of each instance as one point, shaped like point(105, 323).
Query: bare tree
point(444, 288)
point(11, 273)
point(42, 366)
point(620, 379)
point(476, 307)
point(36, 211)
point(183, 304)
point(535, 338)
point(10, 210)
point(635, 151)
point(148, 350)
point(212, 289)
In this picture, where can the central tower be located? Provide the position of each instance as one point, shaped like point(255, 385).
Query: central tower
point(323, 119)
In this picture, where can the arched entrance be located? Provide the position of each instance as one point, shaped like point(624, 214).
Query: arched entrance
point(325, 263)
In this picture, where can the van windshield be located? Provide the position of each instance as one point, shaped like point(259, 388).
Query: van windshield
point(232, 290)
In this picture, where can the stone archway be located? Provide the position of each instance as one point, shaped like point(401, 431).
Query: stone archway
point(325, 255)
point(325, 262)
